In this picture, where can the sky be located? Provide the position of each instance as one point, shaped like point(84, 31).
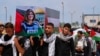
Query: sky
point(75, 7)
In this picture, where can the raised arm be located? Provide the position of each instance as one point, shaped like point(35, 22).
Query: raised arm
point(18, 46)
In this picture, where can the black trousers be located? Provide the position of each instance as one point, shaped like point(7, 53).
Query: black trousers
point(33, 49)
point(36, 46)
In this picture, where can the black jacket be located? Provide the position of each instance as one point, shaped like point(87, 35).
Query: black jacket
point(62, 48)
point(87, 49)
point(43, 50)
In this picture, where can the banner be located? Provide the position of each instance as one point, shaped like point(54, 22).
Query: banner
point(20, 16)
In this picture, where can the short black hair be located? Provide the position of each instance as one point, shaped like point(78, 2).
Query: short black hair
point(80, 32)
point(1, 25)
point(9, 25)
point(51, 24)
point(67, 25)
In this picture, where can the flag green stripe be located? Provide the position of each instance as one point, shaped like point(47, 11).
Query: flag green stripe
point(96, 38)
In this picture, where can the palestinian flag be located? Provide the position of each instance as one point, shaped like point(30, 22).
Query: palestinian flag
point(19, 19)
point(96, 37)
point(92, 32)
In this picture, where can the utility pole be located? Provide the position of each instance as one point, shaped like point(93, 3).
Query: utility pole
point(63, 11)
point(10, 19)
point(93, 14)
point(72, 14)
point(6, 13)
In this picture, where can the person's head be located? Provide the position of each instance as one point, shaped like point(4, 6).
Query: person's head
point(79, 34)
point(49, 28)
point(66, 29)
point(29, 15)
point(9, 28)
point(1, 28)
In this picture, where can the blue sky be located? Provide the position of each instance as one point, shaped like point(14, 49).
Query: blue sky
point(77, 7)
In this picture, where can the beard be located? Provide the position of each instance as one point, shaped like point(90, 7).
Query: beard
point(48, 33)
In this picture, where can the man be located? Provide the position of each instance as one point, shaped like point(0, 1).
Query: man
point(82, 45)
point(48, 48)
point(93, 44)
point(11, 46)
point(64, 42)
point(1, 33)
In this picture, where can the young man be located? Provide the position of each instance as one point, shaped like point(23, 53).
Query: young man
point(48, 48)
point(93, 48)
point(1, 30)
point(10, 42)
point(64, 42)
point(82, 45)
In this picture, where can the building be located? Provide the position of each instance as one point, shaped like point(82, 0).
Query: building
point(53, 16)
point(91, 19)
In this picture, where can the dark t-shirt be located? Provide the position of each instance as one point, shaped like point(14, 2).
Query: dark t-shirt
point(25, 43)
point(7, 49)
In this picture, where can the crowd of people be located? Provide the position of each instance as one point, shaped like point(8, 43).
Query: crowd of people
point(34, 40)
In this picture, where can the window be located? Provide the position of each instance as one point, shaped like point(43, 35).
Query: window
point(92, 21)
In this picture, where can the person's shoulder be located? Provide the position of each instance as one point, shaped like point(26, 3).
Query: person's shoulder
point(58, 35)
point(71, 38)
point(55, 34)
point(35, 22)
point(16, 38)
point(90, 38)
point(5, 35)
point(24, 23)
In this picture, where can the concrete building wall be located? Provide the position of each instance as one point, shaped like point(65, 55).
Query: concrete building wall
point(91, 19)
